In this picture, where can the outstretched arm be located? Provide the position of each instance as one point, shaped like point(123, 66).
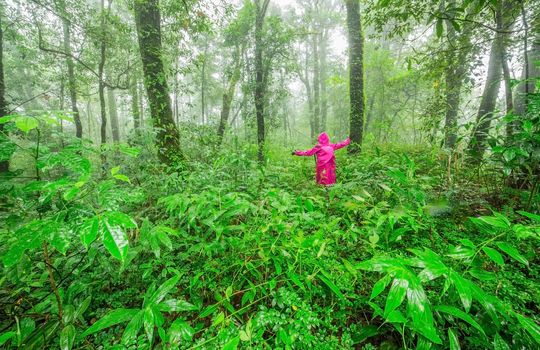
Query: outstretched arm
point(307, 153)
point(342, 144)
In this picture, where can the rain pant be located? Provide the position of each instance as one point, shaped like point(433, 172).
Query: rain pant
point(326, 160)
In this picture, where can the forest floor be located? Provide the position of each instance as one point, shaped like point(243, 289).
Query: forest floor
point(228, 253)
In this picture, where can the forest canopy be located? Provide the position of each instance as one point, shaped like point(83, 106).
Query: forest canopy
point(156, 191)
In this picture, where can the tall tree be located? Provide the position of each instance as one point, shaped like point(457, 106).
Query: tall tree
point(316, 84)
point(148, 22)
point(356, 74)
point(260, 88)
point(455, 72)
point(101, 70)
point(134, 92)
point(477, 145)
point(4, 164)
point(72, 82)
point(229, 93)
point(113, 114)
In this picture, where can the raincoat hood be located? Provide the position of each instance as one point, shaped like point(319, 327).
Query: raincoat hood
point(323, 139)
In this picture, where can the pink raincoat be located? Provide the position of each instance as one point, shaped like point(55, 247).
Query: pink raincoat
point(326, 161)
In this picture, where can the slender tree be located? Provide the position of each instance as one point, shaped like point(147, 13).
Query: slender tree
point(356, 74)
point(4, 164)
point(259, 91)
point(101, 77)
point(72, 82)
point(477, 145)
point(229, 93)
point(148, 22)
point(113, 114)
point(134, 92)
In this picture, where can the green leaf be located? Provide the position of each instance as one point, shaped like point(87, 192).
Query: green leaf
point(116, 242)
point(67, 337)
point(439, 27)
point(148, 322)
point(530, 326)
point(332, 286)
point(90, 231)
point(176, 305)
point(232, 344)
point(530, 215)
point(453, 339)
point(512, 252)
point(122, 177)
point(499, 343)
point(463, 287)
point(451, 310)
point(133, 328)
point(112, 318)
point(494, 255)
point(380, 286)
point(25, 124)
point(219, 318)
point(180, 330)
point(396, 295)
point(498, 221)
point(6, 336)
point(163, 290)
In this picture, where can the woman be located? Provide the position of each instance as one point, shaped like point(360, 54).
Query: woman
point(326, 160)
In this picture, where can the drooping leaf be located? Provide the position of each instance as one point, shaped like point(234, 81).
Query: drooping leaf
point(453, 340)
point(332, 286)
point(232, 344)
point(512, 252)
point(163, 290)
point(148, 322)
point(499, 343)
point(380, 286)
point(396, 295)
point(133, 328)
point(451, 310)
point(530, 326)
point(179, 331)
point(112, 318)
point(494, 255)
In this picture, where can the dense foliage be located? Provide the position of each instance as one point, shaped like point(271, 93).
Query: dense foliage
point(149, 198)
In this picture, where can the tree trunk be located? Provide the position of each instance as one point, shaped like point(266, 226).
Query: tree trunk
point(101, 83)
point(135, 111)
point(113, 115)
point(323, 42)
point(477, 145)
point(72, 83)
point(148, 21)
point(259, 93)
point(4, 164)
point(203, 84)
point(531, 71)
point(316, 85)
point(228, 97)
point(508, 93)
point(454, 74)
point(356, 75)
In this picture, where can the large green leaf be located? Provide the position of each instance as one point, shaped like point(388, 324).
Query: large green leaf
point(163, 290)
point(148, 322)
point(396, 295)
point(232, 344)
point(4, 337)
point(112, 318)
point(463, 286)
point(25, 123)
point(380, 286)
point(116, 241)
point(451, 310)
point(513, 252)
point(499, 343)
point(67, 337)
point(530, 326)
point(180, 330)
point(453, 340)
point(133, 328)
point(419, 310)
point(494, 255)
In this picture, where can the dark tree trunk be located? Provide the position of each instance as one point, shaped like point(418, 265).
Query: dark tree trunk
point(101, 83)
point(113, 115)
point(72, 83)
point(259, 93)
point(135, 111)
point(454, 74)
point(148, 21)
point(356, 74)
point(4, 165)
